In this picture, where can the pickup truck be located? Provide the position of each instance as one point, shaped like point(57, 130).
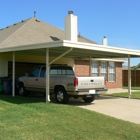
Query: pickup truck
point(63, 83)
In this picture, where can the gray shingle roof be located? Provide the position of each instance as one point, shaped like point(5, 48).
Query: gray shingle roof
point(32, 31)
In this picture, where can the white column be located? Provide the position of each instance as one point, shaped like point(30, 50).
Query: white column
point(13, 91)
point(129, 77)
point(47, 76)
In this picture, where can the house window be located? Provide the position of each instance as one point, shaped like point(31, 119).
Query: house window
point(103, 70)
point(95, 68)
point(112, 72)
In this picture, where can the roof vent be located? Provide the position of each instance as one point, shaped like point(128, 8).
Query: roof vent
point(37, 20)
point(34, 14)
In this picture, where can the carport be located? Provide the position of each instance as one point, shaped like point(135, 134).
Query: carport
point(69, 49)
point(31, 41)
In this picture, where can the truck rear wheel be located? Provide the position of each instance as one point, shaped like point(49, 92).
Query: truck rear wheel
point(61, 96)
point(89, 100)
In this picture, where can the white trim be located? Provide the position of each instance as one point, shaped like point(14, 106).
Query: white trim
point(112, 60)
point(33, 46)
point(79, 45)
point(102, 48)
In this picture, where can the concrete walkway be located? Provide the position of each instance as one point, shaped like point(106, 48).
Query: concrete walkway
point(121, 108)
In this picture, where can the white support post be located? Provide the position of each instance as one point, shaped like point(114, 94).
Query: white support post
point(13, 88)
point(129, 77)
point(47, 76)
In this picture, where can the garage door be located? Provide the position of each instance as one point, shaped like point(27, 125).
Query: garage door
point(21, 68)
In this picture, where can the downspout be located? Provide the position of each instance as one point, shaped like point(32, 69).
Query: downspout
point(13, 88)
point(129, 78)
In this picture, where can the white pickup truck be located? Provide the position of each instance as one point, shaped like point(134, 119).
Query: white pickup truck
point(63, 83)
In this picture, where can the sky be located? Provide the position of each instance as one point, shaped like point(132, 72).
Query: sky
point(118, 20)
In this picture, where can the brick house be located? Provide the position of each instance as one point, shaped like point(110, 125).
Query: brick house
point(35, 33)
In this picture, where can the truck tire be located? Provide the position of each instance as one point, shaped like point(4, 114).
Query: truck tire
point(61, 96)
point(21, 90)
point(89, 100)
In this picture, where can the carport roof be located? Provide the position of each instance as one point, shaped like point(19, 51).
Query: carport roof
point(78, 50)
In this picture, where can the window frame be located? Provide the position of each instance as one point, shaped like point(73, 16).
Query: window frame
point(104, 73)
point(110, 72)
point(95, 71)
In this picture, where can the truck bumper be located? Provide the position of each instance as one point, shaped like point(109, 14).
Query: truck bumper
point(91, 91)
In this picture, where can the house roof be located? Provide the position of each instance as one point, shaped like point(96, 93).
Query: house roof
point(32, 31)
point(137, 67)
point(33, 37)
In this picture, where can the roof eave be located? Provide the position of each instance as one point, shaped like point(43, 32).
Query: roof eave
point(102, 48)
point(119, 52)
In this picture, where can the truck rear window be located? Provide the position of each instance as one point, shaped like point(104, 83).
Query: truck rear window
point(61, 71)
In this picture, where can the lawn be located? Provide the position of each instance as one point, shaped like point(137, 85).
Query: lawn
point(133, 88)
point(23, 118)
point(135, 95)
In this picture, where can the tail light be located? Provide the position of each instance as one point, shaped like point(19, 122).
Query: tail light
point(75, 81)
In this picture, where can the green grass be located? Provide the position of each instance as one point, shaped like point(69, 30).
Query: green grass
point(31, 119)
point(135, 95)
point(133, 88)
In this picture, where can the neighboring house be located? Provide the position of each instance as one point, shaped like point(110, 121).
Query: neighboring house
point(33, 31)
point(137, 67)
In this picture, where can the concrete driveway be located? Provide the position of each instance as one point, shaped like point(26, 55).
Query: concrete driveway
point(121, 108)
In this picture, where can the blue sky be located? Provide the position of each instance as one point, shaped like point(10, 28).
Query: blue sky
point(118, 20)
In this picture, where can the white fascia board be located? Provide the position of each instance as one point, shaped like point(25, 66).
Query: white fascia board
point(33, 46)
point(106, 59)
point(66, 43)
point(103, 48)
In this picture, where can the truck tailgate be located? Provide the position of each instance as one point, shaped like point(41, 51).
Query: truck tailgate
point(90, 82)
